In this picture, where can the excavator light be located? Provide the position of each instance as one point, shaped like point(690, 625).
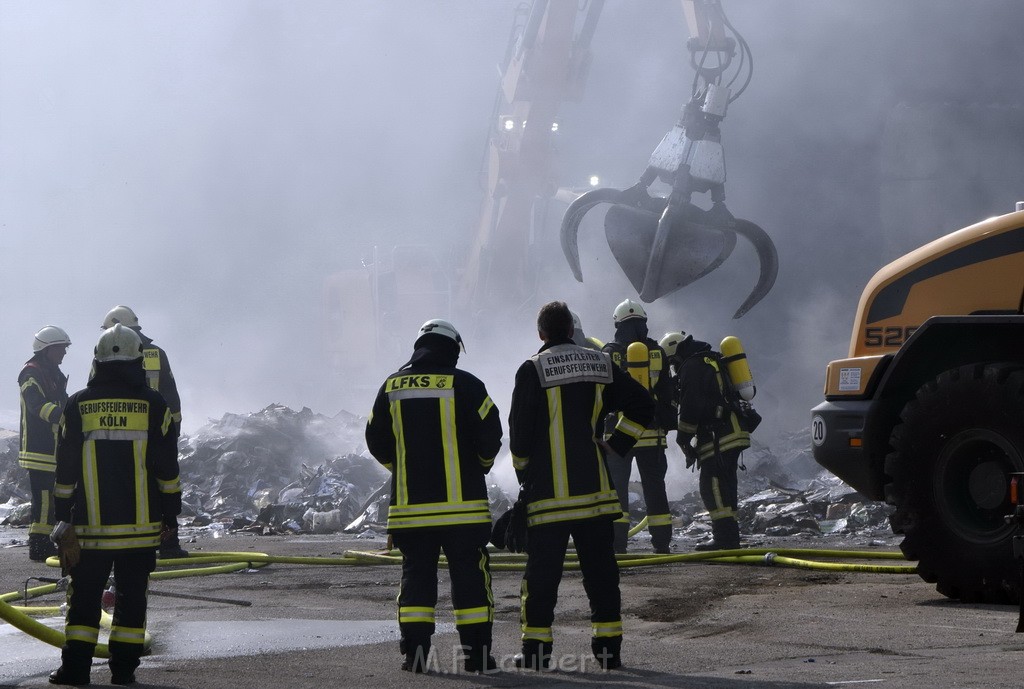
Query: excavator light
point(554, 126)
point(594, 180)
point(508, 124)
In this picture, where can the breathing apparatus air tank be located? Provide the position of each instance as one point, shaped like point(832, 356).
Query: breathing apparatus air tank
point(638, 364)
point(736, 366)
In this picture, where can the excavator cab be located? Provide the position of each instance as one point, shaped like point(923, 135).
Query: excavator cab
point(664, 243)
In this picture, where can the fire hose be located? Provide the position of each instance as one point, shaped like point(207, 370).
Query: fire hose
point(224, 562)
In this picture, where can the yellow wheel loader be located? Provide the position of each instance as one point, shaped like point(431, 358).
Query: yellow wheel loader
point(927, 411)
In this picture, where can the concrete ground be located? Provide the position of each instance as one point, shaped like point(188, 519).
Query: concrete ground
point(688, 625)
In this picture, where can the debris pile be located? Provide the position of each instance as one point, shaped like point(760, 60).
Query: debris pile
point(783, 492)
point(278, 470)
point(15, 493)
point(284, 471)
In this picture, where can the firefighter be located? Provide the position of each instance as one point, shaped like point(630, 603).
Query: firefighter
point(631, 326)
point(580, 337)
point(116, 485)
point(555, 434)
point(43, 395)
point(435, 428)
point(160, 378)
point(720, 439)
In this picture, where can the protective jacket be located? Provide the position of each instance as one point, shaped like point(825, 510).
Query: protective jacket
point(661, 385)
point(117, 461)
point(435, 428)
point(561, 395)
point(700, 392)
point(159, 376)
point(43, 396)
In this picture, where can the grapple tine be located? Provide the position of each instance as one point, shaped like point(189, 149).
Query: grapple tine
point(768, 257)
point(688, 249)
point(571, 224)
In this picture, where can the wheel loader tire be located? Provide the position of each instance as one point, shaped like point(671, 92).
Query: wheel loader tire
point(948, 477)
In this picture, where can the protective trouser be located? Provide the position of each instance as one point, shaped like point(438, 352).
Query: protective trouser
point(718, 490)
point(539, 591)
point(469, 571)
point(41, 483)
point(652, 464)
point(85, 593)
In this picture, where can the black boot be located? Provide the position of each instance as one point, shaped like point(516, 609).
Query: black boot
point(661, 538)
point(476, 647)
point(726, 534)
point(536, 656)
point(74, 668)
point(417, 655)
point(72, 678)
point(480, 660)
point(171, 549)
point(607, 650)
point(122, 669)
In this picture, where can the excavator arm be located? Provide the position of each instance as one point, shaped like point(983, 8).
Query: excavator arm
point(546, 63)
point(664, 244)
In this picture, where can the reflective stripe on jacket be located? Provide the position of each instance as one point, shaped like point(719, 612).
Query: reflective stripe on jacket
point(117, 462)
point(702, 409)
point(560, 399)
point(660, 390)
point(43, 396)
point(437, 431)
point(159, 376)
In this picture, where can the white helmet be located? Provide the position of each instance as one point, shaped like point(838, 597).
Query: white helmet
point(628, 309)
point(49, 335)
point(119, 344)
point(438, 326)
point(671, 341)
point(120, 314)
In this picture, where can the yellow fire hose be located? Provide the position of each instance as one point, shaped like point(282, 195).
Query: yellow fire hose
point(205, 563)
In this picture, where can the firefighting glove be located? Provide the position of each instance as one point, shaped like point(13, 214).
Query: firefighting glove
point(69, 552)
point(689, 451)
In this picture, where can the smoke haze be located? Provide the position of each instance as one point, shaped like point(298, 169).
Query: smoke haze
point(212, 164)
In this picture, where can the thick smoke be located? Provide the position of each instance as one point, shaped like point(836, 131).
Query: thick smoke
point(212, 166)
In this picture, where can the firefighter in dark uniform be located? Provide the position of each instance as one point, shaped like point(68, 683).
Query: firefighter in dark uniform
point(561, 395)
point(116, 484)
point(160, 378)
point(435, 428)
point(580, 337)
point(43, 395)
point(720, 439)
point(631, 326)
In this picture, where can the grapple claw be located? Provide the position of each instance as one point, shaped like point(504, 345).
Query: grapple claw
point(767, 256)
point(571, 223)
point(689, 252)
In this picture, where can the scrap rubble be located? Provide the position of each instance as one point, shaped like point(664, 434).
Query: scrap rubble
point(280, 471)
